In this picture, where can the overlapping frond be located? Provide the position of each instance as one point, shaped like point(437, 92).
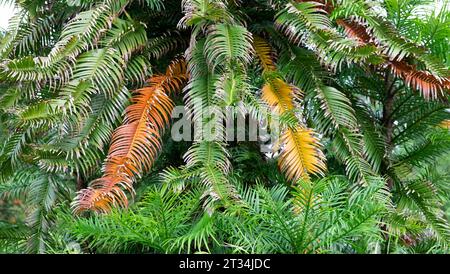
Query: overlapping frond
point(298, 17)
point(265, 53)
point(335, 110)
point(93, 65)
point(355, 30)
point(167, 42)
point(126, 37)
point(208, 157)
point(416, 118)
point(332, 112)
point(83, 32)
point(302, 69)
point(422, 196)
point(31, 36)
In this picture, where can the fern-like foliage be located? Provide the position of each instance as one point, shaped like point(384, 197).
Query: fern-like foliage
point(265, 221)
point(359, 90)
point(301, 153)
point(135, 144)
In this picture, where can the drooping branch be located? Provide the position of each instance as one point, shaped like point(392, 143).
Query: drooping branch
point(136, 144)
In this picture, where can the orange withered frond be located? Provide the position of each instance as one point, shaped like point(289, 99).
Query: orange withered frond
point(177, 69)
point(301, 154)
point(429, 85)
point(103, 194)
point(135, 144)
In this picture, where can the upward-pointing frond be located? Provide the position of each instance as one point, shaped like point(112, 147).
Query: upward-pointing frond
point(92, 132)
point(200, 13)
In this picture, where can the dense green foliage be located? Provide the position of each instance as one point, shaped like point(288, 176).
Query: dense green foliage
point(360, 89)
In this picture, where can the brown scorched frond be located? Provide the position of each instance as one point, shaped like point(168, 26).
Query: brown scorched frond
point(354, 30)
point(265, 53)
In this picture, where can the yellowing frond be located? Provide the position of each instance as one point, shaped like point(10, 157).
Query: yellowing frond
point(265, 53)
point(425, 82)
point(175, 78)
point(135, 144)
point(301, 154)
point(279, 95)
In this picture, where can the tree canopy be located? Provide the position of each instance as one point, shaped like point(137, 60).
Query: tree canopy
point(352, 97)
